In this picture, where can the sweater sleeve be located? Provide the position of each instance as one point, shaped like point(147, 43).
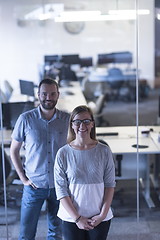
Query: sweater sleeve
point(60, 177)
point(109, 174)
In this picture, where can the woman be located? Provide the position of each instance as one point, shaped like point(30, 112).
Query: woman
point(84, 180)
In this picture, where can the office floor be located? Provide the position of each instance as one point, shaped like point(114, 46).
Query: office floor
point(124, 224)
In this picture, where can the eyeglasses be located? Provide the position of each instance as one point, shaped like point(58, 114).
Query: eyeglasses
point(77, 122)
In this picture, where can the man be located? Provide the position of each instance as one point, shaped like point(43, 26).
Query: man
point(43, 131)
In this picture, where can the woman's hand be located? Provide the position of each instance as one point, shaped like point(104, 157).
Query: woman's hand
point(85, 223)
point(96, 220)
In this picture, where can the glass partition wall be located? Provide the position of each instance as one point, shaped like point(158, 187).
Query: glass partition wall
point(110, 48)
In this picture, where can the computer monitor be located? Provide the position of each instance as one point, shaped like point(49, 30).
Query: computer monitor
point(12, 110)
point(71, 59)
point(122, 57)
point(51, 59)
point(27, 87)
point(86, 62)
point(105, 58)
point(115, 57)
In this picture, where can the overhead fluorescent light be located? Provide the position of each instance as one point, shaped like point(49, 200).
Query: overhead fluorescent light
point(45, 16)
point(128, 12)
point(80, 13)
point(77, 16)
point(56, 12)
point(83, 16)
point(92, 18)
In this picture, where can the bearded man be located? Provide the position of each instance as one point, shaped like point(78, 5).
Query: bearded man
point(42, 131)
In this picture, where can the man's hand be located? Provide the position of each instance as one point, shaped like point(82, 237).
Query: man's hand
point(27, 182)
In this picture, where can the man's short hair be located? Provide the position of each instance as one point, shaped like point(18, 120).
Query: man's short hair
point(50, 81)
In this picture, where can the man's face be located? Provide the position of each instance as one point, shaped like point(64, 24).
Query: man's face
point(48, 96)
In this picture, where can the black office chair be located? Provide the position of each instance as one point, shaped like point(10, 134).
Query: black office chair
point(3, 97)
point(8, 89)
point(7, 166)
point(10, 175)
point(66, 75)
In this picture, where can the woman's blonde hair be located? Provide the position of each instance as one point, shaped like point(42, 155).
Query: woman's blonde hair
point(77, 110)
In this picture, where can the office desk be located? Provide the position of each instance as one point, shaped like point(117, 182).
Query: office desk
point(18, 97)
point(155, 135)
point(70, 97)
point(121, 146)
point(5, 136)
point(126, 155)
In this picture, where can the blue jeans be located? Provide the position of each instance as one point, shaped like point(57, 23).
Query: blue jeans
point(32, 201)
point(72, 232)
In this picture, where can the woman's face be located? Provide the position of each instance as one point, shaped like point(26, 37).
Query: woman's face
point(82, 124)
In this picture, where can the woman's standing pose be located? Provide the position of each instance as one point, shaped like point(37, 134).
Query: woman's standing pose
point(84, 179)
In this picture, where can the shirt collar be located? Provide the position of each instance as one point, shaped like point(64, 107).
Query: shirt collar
point(56, 115)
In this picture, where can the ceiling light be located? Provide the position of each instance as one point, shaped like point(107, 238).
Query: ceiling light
point(92, 18)
point(80, 13)
point(127, 12)
point(77, 16)
point(83, 16)
point(56, 12)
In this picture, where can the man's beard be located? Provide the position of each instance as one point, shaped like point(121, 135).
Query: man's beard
point(49, 106)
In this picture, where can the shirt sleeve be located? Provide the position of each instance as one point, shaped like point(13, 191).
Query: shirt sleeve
point(60, 177)
point(109, 174)
point(18, 131)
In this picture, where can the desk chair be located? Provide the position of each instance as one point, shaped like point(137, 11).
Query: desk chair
point(93, 90)
point(10, 175)
point(7, 166)
point(115, 76)
point(97, 109)
point(3, 97)
point(66, 75)
point(7, 172)
point(90, 89)
point(8, 89)
point(116, 79)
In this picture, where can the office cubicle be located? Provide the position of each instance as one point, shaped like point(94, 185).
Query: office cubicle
point(47, 38)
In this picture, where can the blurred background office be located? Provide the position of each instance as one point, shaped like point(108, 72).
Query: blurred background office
point(103, 53)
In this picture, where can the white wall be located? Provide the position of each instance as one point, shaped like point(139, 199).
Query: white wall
point(23, 48)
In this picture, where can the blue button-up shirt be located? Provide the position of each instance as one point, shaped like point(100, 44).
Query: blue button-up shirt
point(42, 138)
